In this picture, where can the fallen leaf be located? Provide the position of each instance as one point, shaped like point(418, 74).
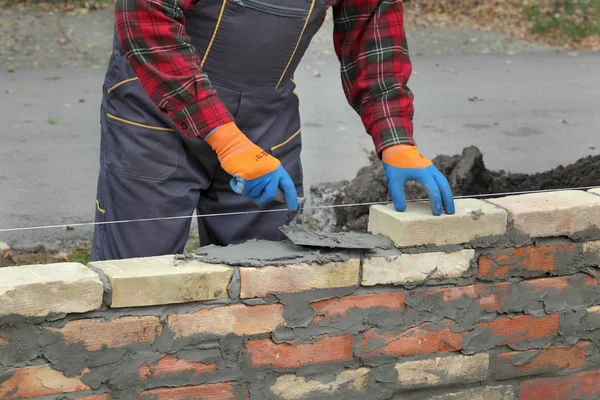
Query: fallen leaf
point(82, 100)
point(27, 104)
point(564, 121)
point(476, 98)
point(316, 74)
point(61, 255)
point(11, 69)
point(69, 228)
point(53, 121)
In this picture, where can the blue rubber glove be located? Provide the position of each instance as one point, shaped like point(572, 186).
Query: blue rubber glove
point(262, 190)
point(256, 174)
point(405, 163)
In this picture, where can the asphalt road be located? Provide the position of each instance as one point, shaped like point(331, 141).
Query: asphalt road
point(534, 110)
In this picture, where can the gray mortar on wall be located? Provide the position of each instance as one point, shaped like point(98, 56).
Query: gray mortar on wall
point(116, 369)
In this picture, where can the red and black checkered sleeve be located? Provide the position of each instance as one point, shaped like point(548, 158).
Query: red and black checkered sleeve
point(370, 43)
point(152, 34)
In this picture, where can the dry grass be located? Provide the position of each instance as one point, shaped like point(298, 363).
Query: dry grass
point(573, 24)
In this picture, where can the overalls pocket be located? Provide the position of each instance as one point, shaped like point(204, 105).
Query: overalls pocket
point(140, 140)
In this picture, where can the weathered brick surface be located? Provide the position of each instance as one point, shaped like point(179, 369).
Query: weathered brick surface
point(340, 306)
point(39, 290)
point(170, 364)
point(488, 296)
point(442, 371)
point(418, 227)
point(415, 267)
point(424, 339)
point(480, 393)
point(239, 319)
point(259, 282)
point(104, 396)
point(212, 391)
point(529, 261)
point(536, 362)
point(31, 382)
point(591, 253)
point(514, 329)
point(3, 341)
point(323, 350)
point(553, 213)
point(94, 334)
point(583, 385)
point(290, 387)
point(164, 280)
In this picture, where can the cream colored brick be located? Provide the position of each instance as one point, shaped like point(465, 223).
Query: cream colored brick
point(259, 282)
point(417, 226)
point(291, 387)
point(415, 267)
point(163, 280)
point(485, 393)
point(553, 213)
point(39, 290)
point(441, 371)
point(594, 310)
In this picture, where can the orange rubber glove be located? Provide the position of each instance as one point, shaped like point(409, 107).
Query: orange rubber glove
point(256, 174)
point(405, 163)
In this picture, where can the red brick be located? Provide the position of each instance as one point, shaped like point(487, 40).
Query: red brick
point(239, 319)
point(582, 385)
point(3, 341)
point(486, 295)
point(339, 307)
point(551, 359)
point(418, 340)
point(42, 380)
point(558, 283)
point(323, 350)
point(170, 364)
point(536, 260)
point(212, 391)
point(523, 327)
point(104, 396)
point(95, 334)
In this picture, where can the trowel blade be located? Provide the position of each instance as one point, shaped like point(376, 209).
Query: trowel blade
point(302, 236)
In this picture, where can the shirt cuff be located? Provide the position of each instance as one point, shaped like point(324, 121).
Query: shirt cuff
point(201, 118)
point(387, 133)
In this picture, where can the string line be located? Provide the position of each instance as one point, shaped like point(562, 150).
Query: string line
point(79, 224)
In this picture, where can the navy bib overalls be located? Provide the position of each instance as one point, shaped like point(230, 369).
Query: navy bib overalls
point(249, 49)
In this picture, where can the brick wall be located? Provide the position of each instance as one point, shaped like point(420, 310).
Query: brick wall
point(500, 301)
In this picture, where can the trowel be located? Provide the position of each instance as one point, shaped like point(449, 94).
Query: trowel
point(300, 235)
point(292, 214)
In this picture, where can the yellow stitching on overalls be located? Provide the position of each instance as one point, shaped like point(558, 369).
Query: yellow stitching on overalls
point(312, 5)
point(157, 128)
point(286, 142)
point(116, 85)
point(98, 207)
point(212, 39)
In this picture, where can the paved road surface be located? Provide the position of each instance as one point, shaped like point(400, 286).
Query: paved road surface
point(539, 109)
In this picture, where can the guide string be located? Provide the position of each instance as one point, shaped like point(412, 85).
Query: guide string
point(79, 224)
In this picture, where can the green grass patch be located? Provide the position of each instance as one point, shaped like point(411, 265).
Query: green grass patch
point(574, 19)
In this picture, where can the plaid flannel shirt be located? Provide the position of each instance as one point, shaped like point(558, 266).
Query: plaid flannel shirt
point(369, 40)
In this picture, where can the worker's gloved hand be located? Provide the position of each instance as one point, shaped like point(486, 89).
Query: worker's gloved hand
point(405, 163)
point(256, 174)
